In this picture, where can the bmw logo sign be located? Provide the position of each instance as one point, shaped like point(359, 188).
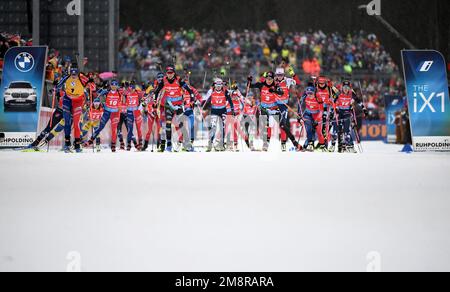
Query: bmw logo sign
point(24, 62)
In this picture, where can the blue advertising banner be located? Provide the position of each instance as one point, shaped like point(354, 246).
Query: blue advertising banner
point(21, 92)
point(428, 99)
point(393, 104)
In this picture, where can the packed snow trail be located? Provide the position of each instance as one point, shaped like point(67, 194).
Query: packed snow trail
point(225, 211)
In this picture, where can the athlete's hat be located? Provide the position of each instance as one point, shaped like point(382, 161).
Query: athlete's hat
point(170, 69)
point(322, 80)
point(270, 75)
point(280, 71)
point(218, 82)
point(74, 69)
point(347, 83)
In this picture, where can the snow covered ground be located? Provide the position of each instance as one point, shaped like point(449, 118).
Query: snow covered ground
point(225, 211)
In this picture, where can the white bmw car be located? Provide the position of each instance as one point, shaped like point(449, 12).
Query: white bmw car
point(20, 96)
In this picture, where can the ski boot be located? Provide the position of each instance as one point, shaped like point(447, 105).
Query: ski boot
point(252, 146)
point(219, 148)
point(78, 146)
point(177, 147)
point(332, 148)
point(209, 148)
point(145, 147)
point(265, 147)
point(283, 147)
point(113, 148)
point(32, 146)
point(169, 148)
point(310, 147)
point(67, 146)
point(67, 149)
point(351, 149)
point(236, 147)
point(41, 144)
point(139, 145)
point(98, 147)
point(122, 145)
point(88, 143)
point(188, 148)
point(162, 146)
point(321, 148)
point(128, 147)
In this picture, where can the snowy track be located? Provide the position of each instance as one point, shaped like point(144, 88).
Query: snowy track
point(225, 211)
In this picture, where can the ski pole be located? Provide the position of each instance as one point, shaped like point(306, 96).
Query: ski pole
point(90, 114)
point(51, 117)
point(355, 130)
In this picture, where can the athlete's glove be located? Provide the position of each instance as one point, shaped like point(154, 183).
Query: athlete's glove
point(197, 103)
point(179, 111)
point(366, 112)
point(250, 79)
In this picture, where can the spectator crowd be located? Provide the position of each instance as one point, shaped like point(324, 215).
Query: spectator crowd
point(237, 54)
point(313, 52)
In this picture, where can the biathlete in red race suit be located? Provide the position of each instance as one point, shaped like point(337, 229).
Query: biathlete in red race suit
point(151, 111)
point(344, 103)
point(112, 105)
point(123, 90)
point(270, 107)
point(189, 117)
point(160, 104)
point(95, 116)
point(134, 116)
point(312, 118)
point(249, 122)
point(218, 98)
point(233, 120)
point(172, 87)
point(325, 92)
point(287, 85)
